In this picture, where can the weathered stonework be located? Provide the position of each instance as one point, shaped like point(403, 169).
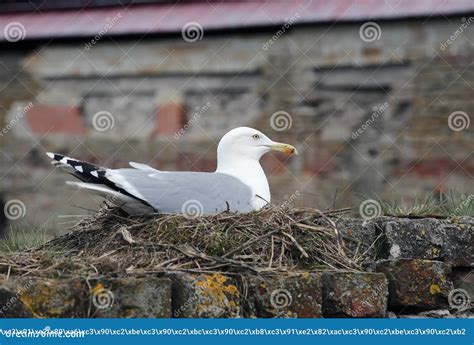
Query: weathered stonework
point(401, 287)
point(206, 295)
point(463, 278)
point(75, 297)
point(448, 241)
point(361, 234)
point(42, 298)
point(347, 294)
point(288, 295)
point(416, 283)
point(148, 297)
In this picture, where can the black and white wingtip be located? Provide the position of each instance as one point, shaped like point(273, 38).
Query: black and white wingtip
point(93, 178)
point(70, 164)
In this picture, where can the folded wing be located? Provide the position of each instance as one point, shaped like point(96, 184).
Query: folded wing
point(172, 192)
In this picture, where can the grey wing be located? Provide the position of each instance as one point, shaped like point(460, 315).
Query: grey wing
point(185, 192)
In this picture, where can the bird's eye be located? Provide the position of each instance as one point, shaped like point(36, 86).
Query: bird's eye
point(256, 136)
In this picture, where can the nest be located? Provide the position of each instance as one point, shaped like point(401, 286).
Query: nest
point(274, 239)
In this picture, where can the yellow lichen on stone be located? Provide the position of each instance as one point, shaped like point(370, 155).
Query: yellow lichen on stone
point(98, 289)
point(434, 251)
point(435, 289)
point(28, 303)
point(232, 289)
point(40, 301)
point(213, 288)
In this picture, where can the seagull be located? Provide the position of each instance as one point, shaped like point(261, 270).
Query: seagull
point(238, 185)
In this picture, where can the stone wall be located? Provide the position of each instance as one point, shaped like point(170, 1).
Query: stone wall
point(166, 102)
point(417, 268)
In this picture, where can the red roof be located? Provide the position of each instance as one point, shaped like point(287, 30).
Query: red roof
point(169, 18)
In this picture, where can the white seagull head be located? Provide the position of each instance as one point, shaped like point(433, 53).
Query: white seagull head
point(239, 153)
point(249, 143)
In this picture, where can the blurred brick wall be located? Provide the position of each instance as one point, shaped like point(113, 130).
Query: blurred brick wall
point(166, 102)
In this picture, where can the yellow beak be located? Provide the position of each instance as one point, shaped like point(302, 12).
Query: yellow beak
point(285, 148)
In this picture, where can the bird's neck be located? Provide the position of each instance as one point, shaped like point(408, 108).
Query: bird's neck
point(250, 172)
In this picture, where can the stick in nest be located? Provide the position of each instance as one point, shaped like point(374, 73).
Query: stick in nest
point(273, 239)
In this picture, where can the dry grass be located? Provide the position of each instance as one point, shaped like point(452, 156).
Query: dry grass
point(272, 240)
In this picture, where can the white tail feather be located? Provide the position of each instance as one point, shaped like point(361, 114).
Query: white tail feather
point(128, 204)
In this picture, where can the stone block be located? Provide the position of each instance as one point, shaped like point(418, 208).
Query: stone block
point(416, 283)
point(360, 294)
point(147, 297)
point(41, 297)
point(297, 295)
point(428, 239)
point(360, 235)
point(205, 296)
